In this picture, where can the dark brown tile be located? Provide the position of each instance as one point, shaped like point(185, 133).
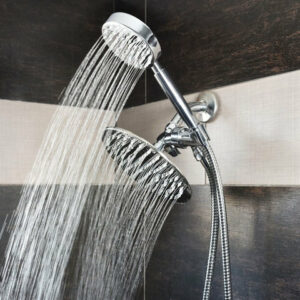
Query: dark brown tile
point(264, 229)
point(264, 224)
point(43, 42)
point(206, 44)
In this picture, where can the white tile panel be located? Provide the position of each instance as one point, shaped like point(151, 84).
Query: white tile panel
point(256, 136)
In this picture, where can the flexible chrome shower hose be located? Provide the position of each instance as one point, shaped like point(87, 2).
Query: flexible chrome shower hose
point(214, 234)
point(219, 218)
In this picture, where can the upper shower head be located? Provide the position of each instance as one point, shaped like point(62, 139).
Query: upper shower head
point(135, 44)
point(139, 159)
point(131, 40)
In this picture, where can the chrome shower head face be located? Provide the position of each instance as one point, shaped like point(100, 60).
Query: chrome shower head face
point(138, 158)
point(131, 40)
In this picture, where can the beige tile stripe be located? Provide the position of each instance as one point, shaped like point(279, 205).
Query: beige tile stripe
point(22, 125)
point(256, 136)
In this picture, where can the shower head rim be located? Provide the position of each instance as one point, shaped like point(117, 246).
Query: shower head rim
point(138, 28)
point(131, 134)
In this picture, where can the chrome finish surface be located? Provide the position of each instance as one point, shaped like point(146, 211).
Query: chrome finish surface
point(176, 137)
point(179, 137)
point(183, 109)
point(171, 91)
point(194, 136)
point(135, 28)
point(113, 134)
point(206, 107)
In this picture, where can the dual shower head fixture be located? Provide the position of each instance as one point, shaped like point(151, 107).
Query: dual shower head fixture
point(120, 141)
point(138, 47)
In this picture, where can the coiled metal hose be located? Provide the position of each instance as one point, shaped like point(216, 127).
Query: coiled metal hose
point(219, 217)
point(214, 233)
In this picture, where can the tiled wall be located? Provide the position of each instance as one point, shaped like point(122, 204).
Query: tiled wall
point(23, 126)
point(264, 240)
point(264, 237)
point(255, 136)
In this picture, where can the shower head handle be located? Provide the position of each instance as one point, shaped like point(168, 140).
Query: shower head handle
point(129, 30)
point(180, 104)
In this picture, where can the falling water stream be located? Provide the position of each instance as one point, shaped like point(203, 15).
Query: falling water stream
point(122, 221)
point(75, 192)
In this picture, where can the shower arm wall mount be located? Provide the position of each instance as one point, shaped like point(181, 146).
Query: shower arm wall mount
point(175, 136)
point(180, 104)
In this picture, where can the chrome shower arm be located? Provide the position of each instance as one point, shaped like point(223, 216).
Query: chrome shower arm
point(183, 109)
point(125, 27)
point(172, 92)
